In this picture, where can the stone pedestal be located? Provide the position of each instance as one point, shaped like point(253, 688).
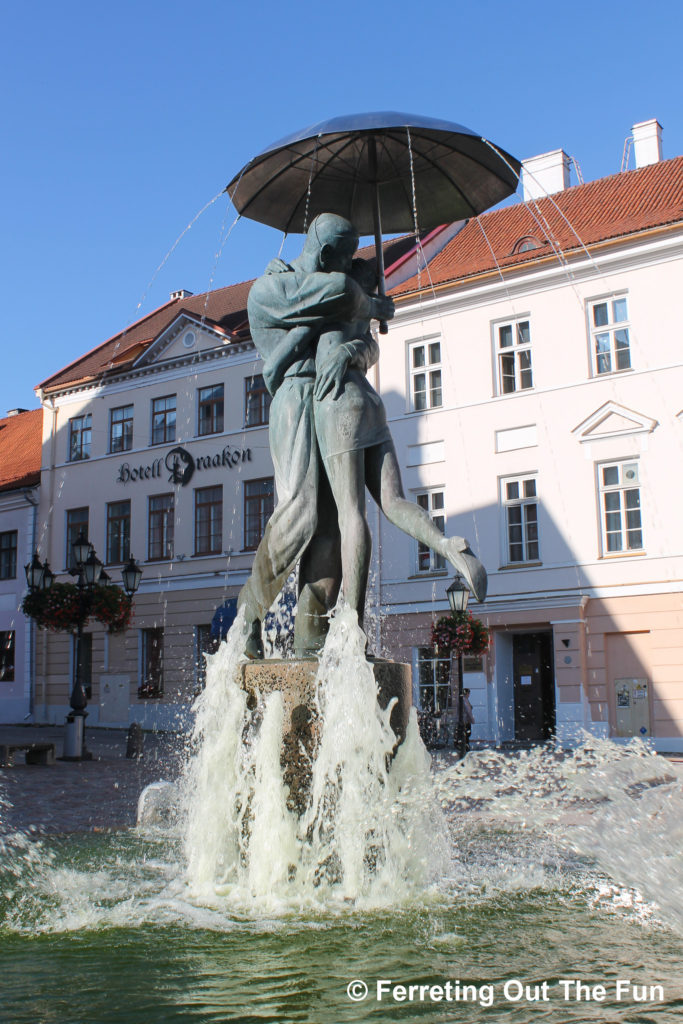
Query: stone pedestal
point(295, 680)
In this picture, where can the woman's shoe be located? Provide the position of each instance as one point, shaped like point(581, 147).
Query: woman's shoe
point(464, 561)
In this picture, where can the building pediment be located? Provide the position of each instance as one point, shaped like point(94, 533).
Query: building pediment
point(184, 337)
point(613, 420)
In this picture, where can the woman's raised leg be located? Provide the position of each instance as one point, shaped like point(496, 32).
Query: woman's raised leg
point(383, 478)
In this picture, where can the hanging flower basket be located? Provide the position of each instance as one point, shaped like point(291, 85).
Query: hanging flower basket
point(460, 633)
point(112, 607)
point(64, 606)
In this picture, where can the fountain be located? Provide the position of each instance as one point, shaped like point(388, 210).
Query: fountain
point(311, 866)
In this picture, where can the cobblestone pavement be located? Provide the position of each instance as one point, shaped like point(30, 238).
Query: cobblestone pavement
point(75, 796)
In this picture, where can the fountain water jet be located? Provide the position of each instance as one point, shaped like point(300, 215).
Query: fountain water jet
point(370, 830)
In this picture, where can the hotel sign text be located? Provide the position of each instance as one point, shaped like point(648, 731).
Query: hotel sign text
point(181, 465)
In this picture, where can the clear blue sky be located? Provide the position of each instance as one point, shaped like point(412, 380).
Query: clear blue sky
point(120, 121)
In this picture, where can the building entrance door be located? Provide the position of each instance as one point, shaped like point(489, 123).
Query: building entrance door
point(534, 686)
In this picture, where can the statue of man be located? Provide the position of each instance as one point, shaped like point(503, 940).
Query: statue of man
point(289, 307)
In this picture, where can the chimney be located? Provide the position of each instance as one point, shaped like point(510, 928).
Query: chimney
point(542, 175)
point(182, 293)
point(15, 412)
point(647, 142)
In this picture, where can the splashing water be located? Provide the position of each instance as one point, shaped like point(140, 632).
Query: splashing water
point(363, 836)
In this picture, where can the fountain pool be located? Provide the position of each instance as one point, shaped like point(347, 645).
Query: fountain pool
point(495, 884)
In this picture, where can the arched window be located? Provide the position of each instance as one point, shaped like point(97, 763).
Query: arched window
point(526, 244)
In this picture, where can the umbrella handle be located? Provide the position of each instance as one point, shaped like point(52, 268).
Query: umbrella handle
point(379, 251)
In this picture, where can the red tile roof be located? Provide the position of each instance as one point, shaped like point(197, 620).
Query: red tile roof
point(608, 208)
point(21, 439)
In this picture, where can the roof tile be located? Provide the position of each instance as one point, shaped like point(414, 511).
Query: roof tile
point(21, 438)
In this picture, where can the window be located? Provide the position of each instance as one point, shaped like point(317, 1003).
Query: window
point(76, 523)
point(118, 532)
point(204, 644)
point(7, 656)
point(151, 663)
point(433, 677)
point(521, 520)
point(121, 429)
point(163, 419)
point(610, 335)
point(160, 521)
point(82, 651)
point(8, 555)
point(433, 503)
point(513, 356)
point(256, 402)
point(622, 527)
point(80, 435)
point(258, 508)
point(210, 416)
point(208, 521)
point(425, 375)
point(526, 244)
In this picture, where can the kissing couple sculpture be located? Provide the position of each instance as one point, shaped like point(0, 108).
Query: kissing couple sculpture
point(329, 439)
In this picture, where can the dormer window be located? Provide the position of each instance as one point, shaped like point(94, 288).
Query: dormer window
point(526, 244)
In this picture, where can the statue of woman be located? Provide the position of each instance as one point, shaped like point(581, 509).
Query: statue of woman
point(358, 452)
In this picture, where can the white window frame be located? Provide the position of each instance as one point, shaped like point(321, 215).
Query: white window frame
point(438, 664)
point(80, 427)
point(527, 525)
point(430, 503)
point(619, 510)
point(522, 376)
point(428, 369)
point(607, 334)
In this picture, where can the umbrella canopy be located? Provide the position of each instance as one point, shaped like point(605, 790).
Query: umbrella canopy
point(351, 165)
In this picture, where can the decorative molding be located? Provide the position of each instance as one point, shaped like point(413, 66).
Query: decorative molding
point(613, 420)
point(154, 352)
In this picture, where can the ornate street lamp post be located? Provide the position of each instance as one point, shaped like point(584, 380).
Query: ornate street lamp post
point(93, 585)
point(458, 596)
point(88, 571)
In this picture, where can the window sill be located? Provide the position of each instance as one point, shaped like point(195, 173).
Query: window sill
point(518, 565)
point(206, 554)
point(428, 575)
point(150, 696)
point(609, 555)
point(513, 394)
point(611, 373)
point(421, 412)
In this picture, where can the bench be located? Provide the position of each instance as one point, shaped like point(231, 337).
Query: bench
point(36, 753)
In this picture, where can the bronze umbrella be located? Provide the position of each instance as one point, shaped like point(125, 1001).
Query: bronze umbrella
point(386, 171)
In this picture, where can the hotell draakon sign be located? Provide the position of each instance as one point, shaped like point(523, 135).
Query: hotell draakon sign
point(181, 465)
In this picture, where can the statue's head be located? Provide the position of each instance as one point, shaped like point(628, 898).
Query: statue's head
point(331, 240)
